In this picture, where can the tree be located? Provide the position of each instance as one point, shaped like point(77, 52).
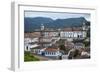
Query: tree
point(88, 32)
point(62, 47)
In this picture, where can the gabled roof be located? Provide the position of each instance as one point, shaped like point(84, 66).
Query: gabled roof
point(51, 49)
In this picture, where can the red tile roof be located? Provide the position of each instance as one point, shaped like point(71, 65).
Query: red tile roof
point(51, 49)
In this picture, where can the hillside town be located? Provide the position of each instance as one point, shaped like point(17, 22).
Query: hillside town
point(58, 44)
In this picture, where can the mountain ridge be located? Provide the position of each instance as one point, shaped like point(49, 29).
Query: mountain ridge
point(30, 24)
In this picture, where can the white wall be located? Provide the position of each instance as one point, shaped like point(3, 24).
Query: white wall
point(5, 34)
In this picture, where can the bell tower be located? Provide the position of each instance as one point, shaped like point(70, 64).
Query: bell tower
point(84, 26)
point(42, 27)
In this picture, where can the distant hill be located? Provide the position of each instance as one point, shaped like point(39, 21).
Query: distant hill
point(34, 23)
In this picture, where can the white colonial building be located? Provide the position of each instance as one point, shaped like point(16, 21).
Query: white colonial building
point(51, 52)
point(73, 34)
point(79, 45)
point(30, 43)
point(37, 50)
point(51, 33)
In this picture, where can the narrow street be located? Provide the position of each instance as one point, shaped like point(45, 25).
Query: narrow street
point(42, 58)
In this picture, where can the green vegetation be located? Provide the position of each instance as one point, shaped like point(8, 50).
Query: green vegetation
point(29, 57)
point(88, 32)
point(86, 43)
point(62, 47)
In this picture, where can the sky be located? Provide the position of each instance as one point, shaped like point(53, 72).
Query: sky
point(56, 15)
